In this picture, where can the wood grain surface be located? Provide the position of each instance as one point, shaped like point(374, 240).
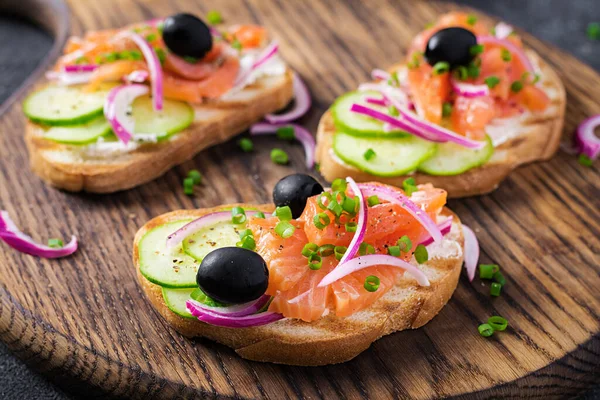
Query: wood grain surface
point(85, 317)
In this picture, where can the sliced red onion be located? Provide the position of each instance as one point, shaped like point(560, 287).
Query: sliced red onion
point(12, 236)
point(508, 45)
point(471, 251)
point(156, 73)
point(444, 227)
point(376, 101)
point(117, 106)
point(361, 223)
point(358, 263)
point(190, 228)
point(269, 52)
point(586, 140)
point(71, 78)
point(239, 310)
point(379, 74)
point(393, 196)
point(139, 76)
point(302, 103)
point(387, 91)
point(468, 89)
point(387, 127)
point(75, 68)
point(229, 321)
point(302, 134)
point(502, 30)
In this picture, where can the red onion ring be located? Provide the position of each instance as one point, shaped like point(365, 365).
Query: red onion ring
point(138, 76)
point(12, 236)
point(71, 78)
point(362, 262)
point(302, 103)
point(396, 197)
point(508, 45)
point(75, 68)
point(247, 321)
point(444, 227)
point(379, 74)
point(302, 134)
point(264, 56)
point(586, 140)
point(469, 90)
point(116, 107)
point(361, 223)
point(471, 251)
point(377, 102)
point(239, 310)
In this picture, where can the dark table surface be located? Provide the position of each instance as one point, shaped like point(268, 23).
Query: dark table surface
point(562, 22)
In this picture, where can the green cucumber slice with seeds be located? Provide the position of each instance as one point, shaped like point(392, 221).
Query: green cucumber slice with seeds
point(209, 238)
point(393, 157)
point(64, 105)
point(453, 159)
point(357, 124)
point(79, 134)
point(175, 299)
point(174, 117)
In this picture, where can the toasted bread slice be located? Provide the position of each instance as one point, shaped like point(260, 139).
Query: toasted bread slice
point(331, 339)
point(73, 168)
point(531, 137)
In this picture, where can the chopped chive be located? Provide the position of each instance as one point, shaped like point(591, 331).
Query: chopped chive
point(372, 200)
point(188, 186)
point(498, 277)
point(394, 78)
point(335, 207)
point(339, 252)
point(473, 71)
point(283, 213)
point(394, 251)
point(349, 205)
point(429, 25)
point(284, 229)
point(516, 86)
point(82, 60)
point(321, 220)
point(365, 248)
point(593, 31)
point(320, 203)
point(372, 283)
point(315, 262)
point(495, 289)
point(238, 215)
point(461, 72)
point(245, 232)
point(326, 250)
point(409, 185)
point(339, 185)
point(309, 248)
point(214, 17)
point(487, 271)
point(485, 330)
point(160, 27)
point(350, 227)
point(506, 55)
point(405, 244)
point(536, 79)
point(196, 176)
point(471, 19)
point(393, 111)
point(260, 214)
point(279, 156)
point(247, 242)
point(492, 81)
point(370, 153)
point(498, 323)
point(339, 197)
point(236, 44)
point(286, 133)
point(421, 254)
point(441, 67)
point(446, 109)
point(475, 50)
point(151, 37)
point(585, 160)
point(55, 243)
point(190, 60)
point(317, 167)
point(161, 54)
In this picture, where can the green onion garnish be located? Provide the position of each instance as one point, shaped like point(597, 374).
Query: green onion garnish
point(350, 227)
point(394, 251)
point(441, 67)
point(516, 86)
point(461, 72)
point(279, 156)
point(196, 176)
point(245, 232)
point(372, 200)
point(283, 213)
point(487, 271)
point(485, 330)
point(372, 283)
point(495, 289)
point(405, 244)
point(246, 145)
point(315, 262)
point(236, 44)
point(536, 79)
point(349, 205)
point(370, 153)
point(497, 323)
point(477, 49)
point(473, 71)
point(321, 220)
point(309, 248)
point(188, 186)
point(471, 19)
point(320, 203)
point(335, 207)
point(190, 60)
point(82, 60)
point(446, 109)
point(247, 242)
point(55, 243)
point(238, 215)
point(339, 185)
point(393, 111)
point(339, 252)
point(260, 214)
point(492, 81)
point(326, 250)
point(409, 186)
point(585, 160)
point(506, 55)
point(421, 254)
point(160, 53)
point(284, 229)
point(365, 248)
point(593, 31)
point(286, 133)
point(498, 277)
point(151, 37)
point(214, 17)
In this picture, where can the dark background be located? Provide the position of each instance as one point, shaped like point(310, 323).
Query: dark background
point(562, 22)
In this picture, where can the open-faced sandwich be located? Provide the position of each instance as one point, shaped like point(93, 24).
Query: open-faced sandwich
point(123, 106)
point(313, 279)
point(467, 106)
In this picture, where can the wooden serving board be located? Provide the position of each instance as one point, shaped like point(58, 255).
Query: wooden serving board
point(86, 318)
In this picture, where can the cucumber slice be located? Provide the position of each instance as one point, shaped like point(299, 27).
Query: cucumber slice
point(357, 124)
point(64, 105)
point(175, 299)
point(175, 117)
point(392, 157)
point(79, 134)
point(453, 159)
point(222, 234)
point(170, 268)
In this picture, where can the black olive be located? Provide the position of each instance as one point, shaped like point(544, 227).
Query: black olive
point(294, 190)
point(187, 36)
point(452, 45)
point(233, 275)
